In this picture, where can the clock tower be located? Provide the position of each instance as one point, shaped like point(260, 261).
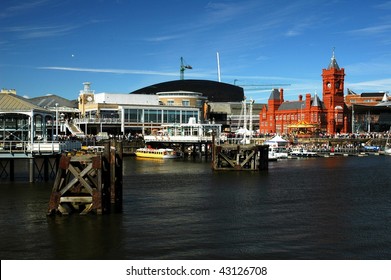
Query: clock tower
point(333, 96)
point(86, 98)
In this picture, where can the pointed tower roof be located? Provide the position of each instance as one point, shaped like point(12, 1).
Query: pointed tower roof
point(274, 95)
point(333, 62)
point(316, 102)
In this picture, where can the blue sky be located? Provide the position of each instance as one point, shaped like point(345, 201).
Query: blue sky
point(53, 46)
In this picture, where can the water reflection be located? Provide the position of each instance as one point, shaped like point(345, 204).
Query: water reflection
point(334, 208)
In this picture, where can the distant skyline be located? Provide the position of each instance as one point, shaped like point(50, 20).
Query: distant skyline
point(53, 46)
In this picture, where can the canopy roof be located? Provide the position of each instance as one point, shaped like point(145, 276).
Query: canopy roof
point(276, 139)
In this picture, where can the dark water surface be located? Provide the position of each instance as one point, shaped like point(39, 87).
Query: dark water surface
point(323, 208)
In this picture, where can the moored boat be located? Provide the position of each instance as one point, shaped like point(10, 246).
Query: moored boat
point(156, 153)
point(276, 153)
point(301, 152)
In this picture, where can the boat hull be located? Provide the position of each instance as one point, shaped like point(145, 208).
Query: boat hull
point(156, 153)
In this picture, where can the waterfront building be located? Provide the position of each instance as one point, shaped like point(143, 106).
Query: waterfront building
point(64, 111)
point(22, 123)
point(212, 90)
point(233, 115)
point(136, 112)
point(222, 102)
point(371, 111)
point(328, 116)
point(365, 98)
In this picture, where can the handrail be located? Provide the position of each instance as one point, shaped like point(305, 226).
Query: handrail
point(12, 146)
point(97, 120)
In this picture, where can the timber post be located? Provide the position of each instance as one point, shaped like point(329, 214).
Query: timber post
point(240, 157)
point(86, 183)
point(263, 151)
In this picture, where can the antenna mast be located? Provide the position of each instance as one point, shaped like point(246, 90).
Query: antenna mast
point(218, 67)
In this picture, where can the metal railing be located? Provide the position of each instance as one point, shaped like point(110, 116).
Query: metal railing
point(12, 146)
point(97, 120)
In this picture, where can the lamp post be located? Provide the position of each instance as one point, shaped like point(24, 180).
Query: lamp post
point(56, 121)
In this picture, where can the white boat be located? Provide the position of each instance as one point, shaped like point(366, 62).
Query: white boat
point(156, 153)
point(276, 153)
point(277, 148)
point(301, 152)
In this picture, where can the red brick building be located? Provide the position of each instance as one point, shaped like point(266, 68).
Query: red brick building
point(328, 116)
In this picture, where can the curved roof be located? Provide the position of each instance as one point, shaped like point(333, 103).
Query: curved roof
point(214, 91)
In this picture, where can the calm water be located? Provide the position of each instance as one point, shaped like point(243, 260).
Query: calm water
point(324, 208)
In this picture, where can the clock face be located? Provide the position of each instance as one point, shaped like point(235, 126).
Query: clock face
point(329, 85)
point(89, 98)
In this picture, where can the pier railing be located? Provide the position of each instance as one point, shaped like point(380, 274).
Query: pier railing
point(177, 139)
point(26, 147)
point(97, 120)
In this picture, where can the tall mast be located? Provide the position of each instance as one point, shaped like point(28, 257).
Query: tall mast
point(218, 67)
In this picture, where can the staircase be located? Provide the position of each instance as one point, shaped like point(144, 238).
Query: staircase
point(74, 129)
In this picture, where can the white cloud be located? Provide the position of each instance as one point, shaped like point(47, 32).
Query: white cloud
point(21, 7)
point(371, 85)
point(372, 30)
point(116, 71)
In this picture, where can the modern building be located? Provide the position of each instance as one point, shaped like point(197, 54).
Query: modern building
point(136, 112)
point(365, 98)
point(371, 111)
point(212, 90)
point(235, 115)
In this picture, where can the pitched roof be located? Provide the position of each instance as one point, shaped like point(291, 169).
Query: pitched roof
point(291, 105)
point(298, 105)
point(48, 101)
point(14, 103)
point(275, 94)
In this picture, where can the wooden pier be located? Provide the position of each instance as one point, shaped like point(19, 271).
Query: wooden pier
point(240, 157)
point(36, 168)
point(89, 182)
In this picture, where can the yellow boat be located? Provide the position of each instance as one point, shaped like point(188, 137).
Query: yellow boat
point(156, 153)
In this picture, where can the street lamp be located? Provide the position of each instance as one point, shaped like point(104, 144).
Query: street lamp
point(56, 121)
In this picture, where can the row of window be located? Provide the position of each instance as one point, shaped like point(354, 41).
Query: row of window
point(159, 115)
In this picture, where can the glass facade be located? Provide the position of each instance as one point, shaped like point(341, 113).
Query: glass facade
point(159, 116)
point(20, 127)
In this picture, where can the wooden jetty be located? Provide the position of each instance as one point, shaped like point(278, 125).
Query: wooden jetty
point(40, 167)
point(89, 182)
point(240, 157)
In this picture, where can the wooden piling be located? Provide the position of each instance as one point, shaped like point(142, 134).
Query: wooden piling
point(239, 157)
point(88, 183)
point(12, 169)
point(31, 170)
